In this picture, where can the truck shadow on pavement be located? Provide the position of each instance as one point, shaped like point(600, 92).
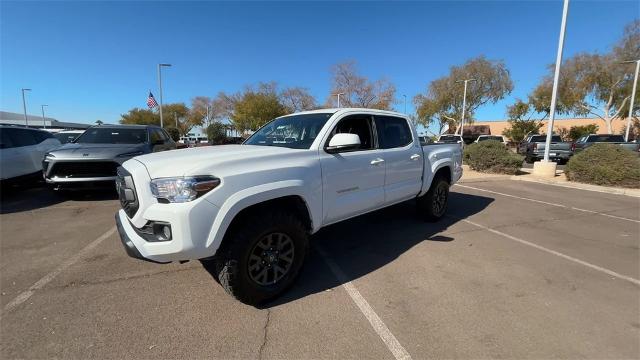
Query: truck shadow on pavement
point(366, 243)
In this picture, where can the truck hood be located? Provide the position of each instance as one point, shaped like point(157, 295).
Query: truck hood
point(94, 151)
point(207, 160)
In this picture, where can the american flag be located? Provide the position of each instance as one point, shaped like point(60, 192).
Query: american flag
point(151, 101)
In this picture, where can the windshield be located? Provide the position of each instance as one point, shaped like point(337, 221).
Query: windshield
point(66, 137)
point(113, 136)
point(295, 132)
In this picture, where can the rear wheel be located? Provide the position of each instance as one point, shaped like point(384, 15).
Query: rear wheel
point(433, 204)
point(261, 258)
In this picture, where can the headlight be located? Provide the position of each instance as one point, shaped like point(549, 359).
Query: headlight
point(183, 189)
point(131, 154)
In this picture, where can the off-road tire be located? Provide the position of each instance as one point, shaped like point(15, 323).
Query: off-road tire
point(232, 259)
point(433, 205)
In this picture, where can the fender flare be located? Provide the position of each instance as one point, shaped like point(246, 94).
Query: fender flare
point(252, 196)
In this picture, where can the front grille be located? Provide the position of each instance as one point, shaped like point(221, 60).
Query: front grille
point(84, 169)
point(127, 192)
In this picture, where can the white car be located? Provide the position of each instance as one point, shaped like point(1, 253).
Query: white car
point(22, 151)
point(499, 138)
point(251, 207)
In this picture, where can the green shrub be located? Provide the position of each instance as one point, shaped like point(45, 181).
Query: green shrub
point(605, 164)
point(493, 157)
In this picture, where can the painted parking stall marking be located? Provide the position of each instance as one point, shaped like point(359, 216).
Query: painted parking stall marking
point(398, 351)
point(23, 296)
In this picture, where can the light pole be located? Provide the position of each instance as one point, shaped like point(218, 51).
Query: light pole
point(556, 77)
point(24, 107)
point(464, 104)
point(160, 86)
point(338, 95)
point(44, 123)
point(633, 96)
point(405, 103)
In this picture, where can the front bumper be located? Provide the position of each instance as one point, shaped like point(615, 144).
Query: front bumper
point(191, 227)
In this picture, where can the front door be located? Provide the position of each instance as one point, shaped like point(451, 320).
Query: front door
point(353, 181)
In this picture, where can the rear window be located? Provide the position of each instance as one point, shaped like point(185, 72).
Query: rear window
point(543, 138)
point(104, 135)
point(606, 138)
point(449, 138)
point(484, 138)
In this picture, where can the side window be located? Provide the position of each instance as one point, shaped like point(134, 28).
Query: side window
point(5, 139)
point(155, 136)
point(393, 132)
point(22, 137)
point(360, 125)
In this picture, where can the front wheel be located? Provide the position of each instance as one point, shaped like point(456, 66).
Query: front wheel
point(262, 257)
point(433, 204)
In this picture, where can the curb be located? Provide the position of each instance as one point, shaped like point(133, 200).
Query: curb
point(573, 185)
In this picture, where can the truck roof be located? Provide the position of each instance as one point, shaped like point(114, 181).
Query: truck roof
point(346, 110)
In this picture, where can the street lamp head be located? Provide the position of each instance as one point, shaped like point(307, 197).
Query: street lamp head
point(26, 89)
point(164, 64)
point(629, 61)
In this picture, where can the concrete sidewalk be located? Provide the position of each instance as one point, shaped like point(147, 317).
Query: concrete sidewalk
point(560, 180)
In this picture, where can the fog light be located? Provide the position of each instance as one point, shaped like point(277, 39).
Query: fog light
point(161, 231)
point(166, 231)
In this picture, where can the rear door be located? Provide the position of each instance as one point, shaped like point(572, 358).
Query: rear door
point(402, 156)
point(352, 181)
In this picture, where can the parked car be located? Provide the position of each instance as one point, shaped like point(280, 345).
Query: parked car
point(92, 158)
point(251, 207)
point(589, 140)
point(534, 145)
point(22, 150)
point(450, 139)
point(67, 136)
point(499, 138)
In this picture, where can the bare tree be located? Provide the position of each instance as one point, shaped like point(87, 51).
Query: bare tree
point(297, 99)
point(357, 90)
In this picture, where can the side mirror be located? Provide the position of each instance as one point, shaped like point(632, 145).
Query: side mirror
point(343, 142)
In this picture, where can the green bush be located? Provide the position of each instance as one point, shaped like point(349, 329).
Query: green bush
point(493, 157)
point(605, 164)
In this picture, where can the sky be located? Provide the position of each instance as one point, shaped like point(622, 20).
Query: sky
point(90, 60)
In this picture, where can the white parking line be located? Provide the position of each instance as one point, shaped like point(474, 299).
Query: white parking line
point(549, 203)
point(23, 296)
point(380, 328)
point(556, 253)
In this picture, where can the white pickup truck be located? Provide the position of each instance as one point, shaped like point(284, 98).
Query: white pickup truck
point(250, 208)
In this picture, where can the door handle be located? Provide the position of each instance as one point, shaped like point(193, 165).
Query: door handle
point(377, 161)
point(415, 157)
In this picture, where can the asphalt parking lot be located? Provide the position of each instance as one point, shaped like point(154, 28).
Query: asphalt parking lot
point(518, 270)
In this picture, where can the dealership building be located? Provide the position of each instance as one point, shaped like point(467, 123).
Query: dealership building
point(37, 122)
